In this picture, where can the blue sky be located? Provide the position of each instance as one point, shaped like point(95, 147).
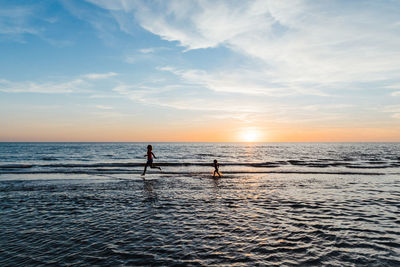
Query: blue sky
point(199, 70)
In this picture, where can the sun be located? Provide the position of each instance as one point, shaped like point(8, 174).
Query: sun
point(250, 135)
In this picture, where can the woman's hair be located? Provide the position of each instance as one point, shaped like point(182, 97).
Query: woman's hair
point(150, 147)
point(215, 161)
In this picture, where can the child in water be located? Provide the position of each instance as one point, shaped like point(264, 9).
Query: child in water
point(149, 162)
point(216, 166)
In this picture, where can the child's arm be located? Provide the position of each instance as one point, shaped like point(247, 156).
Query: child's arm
point(153, 155)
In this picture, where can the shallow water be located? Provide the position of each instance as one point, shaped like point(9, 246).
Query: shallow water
point(183, 216)
point(189, 158)
point(237, 220)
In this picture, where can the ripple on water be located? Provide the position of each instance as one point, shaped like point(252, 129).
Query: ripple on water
point(243, 220)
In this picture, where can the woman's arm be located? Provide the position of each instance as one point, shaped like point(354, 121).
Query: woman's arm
point(153, 155)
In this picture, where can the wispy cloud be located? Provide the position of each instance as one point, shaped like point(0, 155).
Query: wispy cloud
point(45, 87)
point(15, 21)
point(395, 93)
point(178, 97)
point(147, 50)
point(300, 43)
point(394, 86)
point(105, 24)
point(104, 95)
point(287, 49)
point(396, 115)
point(77, 85)
point(240, 81)
point(104, 107)
point(18, 21)
point(393, 109)
point(226, 105)
point(98, 76)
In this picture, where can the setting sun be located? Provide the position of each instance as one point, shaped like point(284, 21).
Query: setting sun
point(250, 135)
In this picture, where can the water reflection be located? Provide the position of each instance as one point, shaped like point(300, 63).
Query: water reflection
point(236, 220)
point(149, 194)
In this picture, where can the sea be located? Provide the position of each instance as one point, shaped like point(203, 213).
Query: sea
point(276, 204)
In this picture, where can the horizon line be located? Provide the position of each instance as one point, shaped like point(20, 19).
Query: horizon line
point(232, 142)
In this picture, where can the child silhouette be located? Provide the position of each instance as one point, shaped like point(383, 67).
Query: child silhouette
point(149, 162)
point(216, 166)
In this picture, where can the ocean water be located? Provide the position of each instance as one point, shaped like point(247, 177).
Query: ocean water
point(280, 204)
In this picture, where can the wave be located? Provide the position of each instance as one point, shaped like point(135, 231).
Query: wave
point(187, 164)
point(48, 158)
point(125, 171)
point(194, 168)
point(16, 166)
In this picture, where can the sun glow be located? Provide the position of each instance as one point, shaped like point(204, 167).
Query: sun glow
point(250, 135)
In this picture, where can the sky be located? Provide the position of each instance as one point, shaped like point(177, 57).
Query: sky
point(201, 71)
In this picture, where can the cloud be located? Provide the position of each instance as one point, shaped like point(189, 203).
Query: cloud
point(240, 81)
point(152, 50)
point(105, 96)
point(396, 116)
point(189, 22)
point(45, 87)
point(105, 24)
point(147, 50)
point(299, 42)
point(395, 86)
point(226, 105)
point(98, 76)
point(180, 98)
point(77, 85)
point(104, 107)
point(291, 59)
point(149, 54)
point(393, 109)
point(395, 93)
point(16, 21)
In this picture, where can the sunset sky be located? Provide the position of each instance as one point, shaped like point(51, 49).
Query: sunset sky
point(200, 70)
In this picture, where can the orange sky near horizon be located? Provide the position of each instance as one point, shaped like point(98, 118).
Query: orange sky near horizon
point(37, 132)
